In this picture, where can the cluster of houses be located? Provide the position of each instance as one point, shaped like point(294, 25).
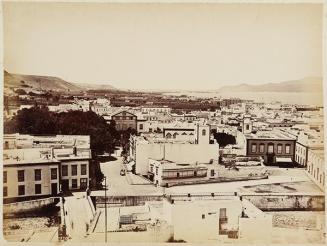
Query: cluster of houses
point(170, 148)
point(215, 218)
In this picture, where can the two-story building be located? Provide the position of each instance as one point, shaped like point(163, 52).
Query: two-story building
point(29, 174)
point(275, 147)
point(124, 120)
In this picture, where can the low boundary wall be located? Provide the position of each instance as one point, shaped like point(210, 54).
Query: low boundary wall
point(286, 201)
point(263, 201)
point(12, 209)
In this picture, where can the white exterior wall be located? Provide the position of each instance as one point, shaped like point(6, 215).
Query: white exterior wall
point(256, 229)
point(203, 135)
point(301, 154)
point(179, 153)
point(247, 125)
point(316, 169)
point(198, 229)
point(29, 180)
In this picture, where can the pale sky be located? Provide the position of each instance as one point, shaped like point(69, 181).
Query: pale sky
point(164, 46)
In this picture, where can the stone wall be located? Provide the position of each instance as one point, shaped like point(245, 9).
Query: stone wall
point(27, 206)
point(287, 202)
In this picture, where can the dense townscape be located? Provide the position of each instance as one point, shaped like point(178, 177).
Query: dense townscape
point(195, 122)
point(132, 172)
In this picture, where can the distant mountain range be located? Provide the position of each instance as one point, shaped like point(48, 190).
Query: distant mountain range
point(95, 86)
point(37, 82)
point(309, 84)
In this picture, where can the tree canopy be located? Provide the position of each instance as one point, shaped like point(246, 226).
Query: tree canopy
point(39, 120)
point(224, 139)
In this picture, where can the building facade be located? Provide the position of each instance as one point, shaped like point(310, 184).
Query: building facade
point(316, 166)
point(275, 150)
point(29, 178)
point(125, 120)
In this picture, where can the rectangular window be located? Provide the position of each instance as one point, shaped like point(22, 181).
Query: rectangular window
point(83, 183)
point(83, 169)
point(5, 191)
point(37, 174)
point(287, 149)
point(64, 170)
point(253, 148)
point(270, 148)
point(21, 190)
point(4, 176)
point(141, 126)
point(38, 189)
point(279, 148)
point(74, 170)
point(261, 148)
point(74, 183)
point(21, 175)
point(54, 173)
point(157, 170)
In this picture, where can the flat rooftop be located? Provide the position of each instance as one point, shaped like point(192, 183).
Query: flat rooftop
point(274, 134)
point(151, 139)
point(167, 165)
point(14, 162)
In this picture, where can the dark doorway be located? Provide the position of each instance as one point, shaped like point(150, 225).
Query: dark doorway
point(65, 184)
point(54, 189)
point(270, 159)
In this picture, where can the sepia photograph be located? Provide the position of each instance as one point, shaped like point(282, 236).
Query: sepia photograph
point(197, 122)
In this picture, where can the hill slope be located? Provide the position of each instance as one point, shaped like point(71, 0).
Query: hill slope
point(37, 82)
point(95, 86)
point(310, 84)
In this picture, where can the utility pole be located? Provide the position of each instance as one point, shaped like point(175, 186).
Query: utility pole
point(105, 209)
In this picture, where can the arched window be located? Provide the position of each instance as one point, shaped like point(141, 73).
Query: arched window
point(270, 148)
point(168, 135)
point(204, 132)
point(175, 134)
point(287, 149)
